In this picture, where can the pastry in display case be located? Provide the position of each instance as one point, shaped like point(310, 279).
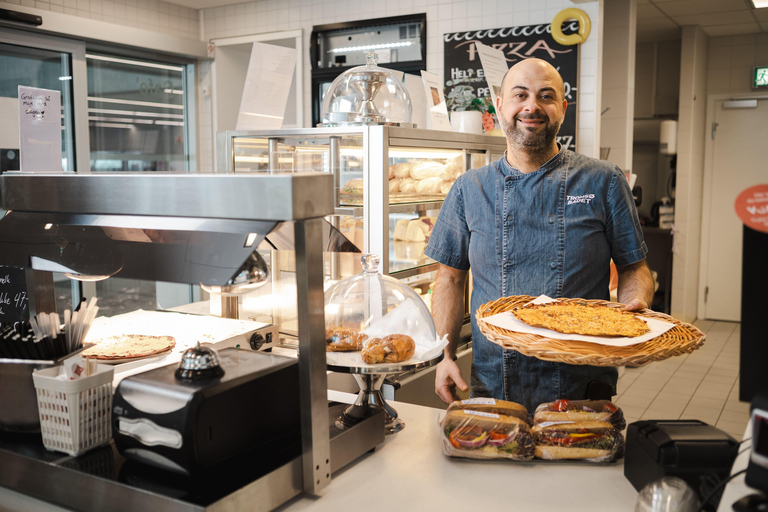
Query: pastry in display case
point(376, 325)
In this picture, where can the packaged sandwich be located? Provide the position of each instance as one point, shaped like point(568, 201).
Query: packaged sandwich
point(485, 435)
point(492, 405)
point(563, 410)
point(593, 441)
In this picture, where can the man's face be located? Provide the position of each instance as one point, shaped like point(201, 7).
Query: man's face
point(532, 105)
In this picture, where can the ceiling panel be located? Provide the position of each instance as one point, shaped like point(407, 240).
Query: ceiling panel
point(684, 7)
point(715, 18)
point(730, 30)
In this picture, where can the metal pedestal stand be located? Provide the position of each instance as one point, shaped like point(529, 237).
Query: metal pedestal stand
point(370, 399)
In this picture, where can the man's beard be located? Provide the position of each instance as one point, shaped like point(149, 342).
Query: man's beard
point(531, 141)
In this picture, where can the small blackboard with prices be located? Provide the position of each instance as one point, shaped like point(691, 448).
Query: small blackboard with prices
point(14, 303)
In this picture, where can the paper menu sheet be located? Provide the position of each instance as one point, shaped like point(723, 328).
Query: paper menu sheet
point(510, 322)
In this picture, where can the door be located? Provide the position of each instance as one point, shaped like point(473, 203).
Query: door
point(737, 162)
point(46, 62)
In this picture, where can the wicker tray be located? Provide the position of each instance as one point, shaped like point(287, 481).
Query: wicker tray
point(681, 339)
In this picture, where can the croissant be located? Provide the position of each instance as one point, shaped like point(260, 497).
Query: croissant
point(389, 349)
point(344, 339)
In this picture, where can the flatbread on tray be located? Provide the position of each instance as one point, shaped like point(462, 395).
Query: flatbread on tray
point(590, 319)
point(129, 346)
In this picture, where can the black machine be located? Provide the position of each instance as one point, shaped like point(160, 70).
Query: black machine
point(191, 417)
point(757, 470)
point(692, 450)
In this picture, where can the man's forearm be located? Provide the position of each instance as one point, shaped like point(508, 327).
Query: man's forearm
point(448, 305)
point(635, 282)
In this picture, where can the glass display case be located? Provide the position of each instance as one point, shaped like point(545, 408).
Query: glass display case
point(389, 186)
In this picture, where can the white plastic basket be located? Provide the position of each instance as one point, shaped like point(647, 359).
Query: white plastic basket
point(75, 415)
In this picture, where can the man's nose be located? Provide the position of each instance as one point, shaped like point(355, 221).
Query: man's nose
point(532, 104)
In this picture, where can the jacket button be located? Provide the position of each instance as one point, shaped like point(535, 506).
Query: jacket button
point(553, 265)
point(551, 219)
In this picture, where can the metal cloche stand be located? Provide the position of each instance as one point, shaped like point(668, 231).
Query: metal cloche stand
point(225, 204)
point(370, 398)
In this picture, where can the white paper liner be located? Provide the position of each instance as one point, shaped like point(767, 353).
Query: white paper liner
point(404, 319)
point(510, 322)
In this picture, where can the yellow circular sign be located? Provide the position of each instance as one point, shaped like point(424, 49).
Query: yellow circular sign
point(571, 14)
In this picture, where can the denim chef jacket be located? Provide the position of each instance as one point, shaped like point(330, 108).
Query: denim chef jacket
point(553, 232)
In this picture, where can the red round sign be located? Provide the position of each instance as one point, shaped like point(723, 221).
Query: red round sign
point(752, 207)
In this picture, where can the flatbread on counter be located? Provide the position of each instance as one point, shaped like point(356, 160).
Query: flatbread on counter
point(589, 319)
point(129, 346)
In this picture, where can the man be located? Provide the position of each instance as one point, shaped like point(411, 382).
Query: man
point(541, 220)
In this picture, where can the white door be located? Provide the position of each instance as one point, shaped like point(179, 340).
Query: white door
point(737, 156)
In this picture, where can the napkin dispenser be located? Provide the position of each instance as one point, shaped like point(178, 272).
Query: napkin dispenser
point(186, 419)
point(688, 449)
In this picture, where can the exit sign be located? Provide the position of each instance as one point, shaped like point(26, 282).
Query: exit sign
point(760, 78)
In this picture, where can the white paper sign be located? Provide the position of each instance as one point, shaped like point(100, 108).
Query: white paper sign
point(494, 66)
point(436, 101)
point(270, 72)
point(415, 86)
point(39, 130)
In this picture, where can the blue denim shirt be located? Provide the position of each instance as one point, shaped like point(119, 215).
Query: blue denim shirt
point(552, 231)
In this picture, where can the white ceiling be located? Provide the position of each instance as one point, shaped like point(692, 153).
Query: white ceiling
point(657, 20)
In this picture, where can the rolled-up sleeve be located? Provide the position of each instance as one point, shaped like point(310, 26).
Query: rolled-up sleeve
point(623, 228)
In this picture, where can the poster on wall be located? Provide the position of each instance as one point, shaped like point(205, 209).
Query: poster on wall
point(465, 83)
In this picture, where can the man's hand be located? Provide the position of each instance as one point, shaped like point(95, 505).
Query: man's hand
point(447, 377)
point(636, 304)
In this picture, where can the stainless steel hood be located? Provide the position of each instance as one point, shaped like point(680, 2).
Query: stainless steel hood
point(186, 228)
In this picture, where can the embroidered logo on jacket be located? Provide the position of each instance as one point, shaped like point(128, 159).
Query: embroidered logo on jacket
point(586, 198)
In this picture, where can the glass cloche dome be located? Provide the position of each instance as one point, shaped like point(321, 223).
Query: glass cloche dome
point(367, 95)
point(378, 305)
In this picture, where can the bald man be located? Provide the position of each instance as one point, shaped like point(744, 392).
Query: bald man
point(543, 220)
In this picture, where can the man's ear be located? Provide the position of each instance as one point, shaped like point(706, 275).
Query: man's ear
point(565, 106)
point(498, 104)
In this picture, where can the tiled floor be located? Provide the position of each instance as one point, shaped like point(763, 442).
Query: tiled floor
point(703, 385)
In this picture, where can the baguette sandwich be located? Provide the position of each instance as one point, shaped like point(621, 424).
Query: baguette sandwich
point(595, 441)
point(491, 405)
point(561, 411)
point(480, 435)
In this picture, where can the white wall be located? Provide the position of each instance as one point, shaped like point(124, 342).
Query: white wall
point(617, 124)
point(443, 16)
point(691, 135)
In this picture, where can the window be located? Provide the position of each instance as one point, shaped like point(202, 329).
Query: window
point(137, 114)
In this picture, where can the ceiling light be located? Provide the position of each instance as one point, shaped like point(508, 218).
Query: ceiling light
point(760, 4)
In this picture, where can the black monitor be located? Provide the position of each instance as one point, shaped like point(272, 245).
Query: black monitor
point(754, 304)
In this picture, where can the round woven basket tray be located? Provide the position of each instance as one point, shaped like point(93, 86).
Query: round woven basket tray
point(681, 339)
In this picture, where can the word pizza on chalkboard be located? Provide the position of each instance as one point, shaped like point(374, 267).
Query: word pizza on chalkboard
point(14, 305)
point(465, 79)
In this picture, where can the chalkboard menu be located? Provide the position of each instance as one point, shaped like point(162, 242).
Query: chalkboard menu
point(14, 305)
point(465, 80)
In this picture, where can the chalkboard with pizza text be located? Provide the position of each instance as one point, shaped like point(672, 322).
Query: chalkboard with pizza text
point(14, 305)
point(465, 80)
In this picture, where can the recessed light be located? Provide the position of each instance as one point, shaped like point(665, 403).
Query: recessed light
point(760, 4)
